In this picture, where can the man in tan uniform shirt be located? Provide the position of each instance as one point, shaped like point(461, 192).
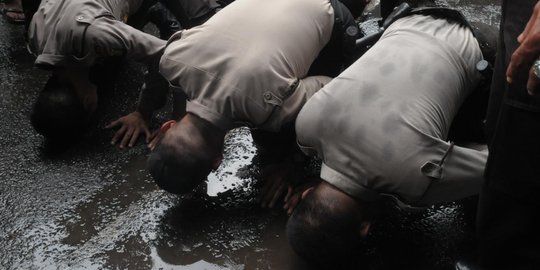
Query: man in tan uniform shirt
point(69, 37)
point(246, 66)
point(380, 129)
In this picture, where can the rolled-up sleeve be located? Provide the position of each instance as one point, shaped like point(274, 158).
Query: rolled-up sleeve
point(306, 88)
point(108, 37)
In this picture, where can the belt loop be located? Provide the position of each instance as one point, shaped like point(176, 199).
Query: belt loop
point(434, 170)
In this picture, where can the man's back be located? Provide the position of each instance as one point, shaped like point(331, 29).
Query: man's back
point(56, 33)
point(248, 58)
point(388, 114)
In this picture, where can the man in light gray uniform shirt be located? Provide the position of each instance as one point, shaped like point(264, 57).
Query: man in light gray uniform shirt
point(71, 36)
point(380, 128)
point(246, 66)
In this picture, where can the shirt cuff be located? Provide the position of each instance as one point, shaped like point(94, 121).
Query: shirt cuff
point(347, 185)
point(207, 114)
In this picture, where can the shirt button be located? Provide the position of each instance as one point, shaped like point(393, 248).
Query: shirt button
point(267, 96)
point(351, 31)
point(80, 18)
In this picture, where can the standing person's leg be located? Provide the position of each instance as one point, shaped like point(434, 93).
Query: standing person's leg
point(275, 147)
point(509, 208)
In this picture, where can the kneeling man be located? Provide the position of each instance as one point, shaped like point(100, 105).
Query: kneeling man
point(380, 129)
point(252, 64)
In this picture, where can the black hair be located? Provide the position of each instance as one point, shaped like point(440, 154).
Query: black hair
point(179, 166)
point(58, 113)
point(178, 172)
point(326, 235)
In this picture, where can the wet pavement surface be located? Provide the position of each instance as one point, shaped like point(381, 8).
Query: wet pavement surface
point(94, 206)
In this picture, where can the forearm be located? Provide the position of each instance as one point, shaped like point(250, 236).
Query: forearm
point(153, 94)
point(109, 37)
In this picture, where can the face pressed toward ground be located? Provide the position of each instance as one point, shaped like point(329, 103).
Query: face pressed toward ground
point(343, 202)
point(188, 134)
point(78, 80)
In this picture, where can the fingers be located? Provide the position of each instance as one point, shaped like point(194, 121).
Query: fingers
point(516, 62)
point(114, 123)
point(289, 193)
point(270, 188)
point(118, 134)
point(147, 133)
point(291, 204)
point(152, 144)
point(153, 135)
point(533, 83)
point(155, 140)
point(152, 139)
point(126, 138)
point(277, 194)
point(134, 138)
point(528, 51)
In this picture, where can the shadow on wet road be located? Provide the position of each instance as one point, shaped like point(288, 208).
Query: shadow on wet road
point(94, 206)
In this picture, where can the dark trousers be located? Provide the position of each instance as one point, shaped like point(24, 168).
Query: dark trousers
point(509, 208)
point(276, 147)
point(281, 148)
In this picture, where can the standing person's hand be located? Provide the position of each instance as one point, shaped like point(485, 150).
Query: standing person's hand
point(528, 53)
point(131, 126)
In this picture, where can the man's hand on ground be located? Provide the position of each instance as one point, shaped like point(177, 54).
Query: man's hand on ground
point(527, 52)
point(276, 184)
point(154, 139)
point(131, 126)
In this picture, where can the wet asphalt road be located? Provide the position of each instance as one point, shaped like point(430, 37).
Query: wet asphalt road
point(94, 206)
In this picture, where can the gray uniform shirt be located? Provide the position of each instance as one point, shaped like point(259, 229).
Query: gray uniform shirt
point(79, 33)
point(247, 64)
point(66, 33)
point(377, 124)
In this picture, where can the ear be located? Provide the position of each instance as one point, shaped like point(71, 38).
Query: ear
point(364, 228)
point(167, 125)
point(306, 192)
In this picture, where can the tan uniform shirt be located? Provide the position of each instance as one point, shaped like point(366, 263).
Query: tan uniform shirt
point(198, 8)
point(377, 124)
point(247, 65)
point(71, 33)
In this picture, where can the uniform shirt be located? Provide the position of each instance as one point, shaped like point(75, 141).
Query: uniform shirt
point(247, 65)
point(65, 33)
point(198, 8)
point(379, 123)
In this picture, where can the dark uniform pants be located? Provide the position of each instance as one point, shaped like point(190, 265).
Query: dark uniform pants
point(509, 209)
